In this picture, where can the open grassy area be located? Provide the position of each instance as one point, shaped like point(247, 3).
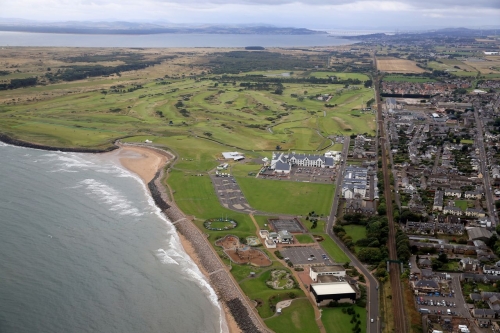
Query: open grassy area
point(357, 232)
point(337, 322)
point(287, 197)
point(296, 318)
point(96, 111)
point(304, 239)
point(462, 204)
point(333, 249)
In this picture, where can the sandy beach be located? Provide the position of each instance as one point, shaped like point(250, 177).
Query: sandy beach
point(145, 162)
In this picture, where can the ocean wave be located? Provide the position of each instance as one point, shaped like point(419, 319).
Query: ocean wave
point(111, 197)
point(165, 258)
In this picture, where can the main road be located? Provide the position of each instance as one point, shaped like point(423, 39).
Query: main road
point(490, 202)
point(371, 282)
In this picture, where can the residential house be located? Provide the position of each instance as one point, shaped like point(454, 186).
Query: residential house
point(438, 201)
point(453, 210)
point(469, 264)
point(483, 313)
point(453, 193)
point(491, 270)
point(475, 212)
point(473, 194)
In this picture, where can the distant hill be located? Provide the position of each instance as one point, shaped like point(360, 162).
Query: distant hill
point(132, 28)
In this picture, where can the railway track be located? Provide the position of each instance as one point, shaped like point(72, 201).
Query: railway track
point(400, 322)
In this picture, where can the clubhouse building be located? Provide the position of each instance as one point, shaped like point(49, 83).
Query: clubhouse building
point(282, 163)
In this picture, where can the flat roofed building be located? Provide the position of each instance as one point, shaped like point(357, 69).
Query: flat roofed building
point(335, 270)
point(332, 291)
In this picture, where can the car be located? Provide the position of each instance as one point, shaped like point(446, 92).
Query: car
point(371, 320)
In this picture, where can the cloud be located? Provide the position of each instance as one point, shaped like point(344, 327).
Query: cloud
point(301, 13)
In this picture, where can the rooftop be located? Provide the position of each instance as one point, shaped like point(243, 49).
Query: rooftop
point(326, 269)
point(332, 288)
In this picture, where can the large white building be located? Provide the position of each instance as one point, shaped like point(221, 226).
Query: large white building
point(282, 163)
point(355, 182)
point(334, 270)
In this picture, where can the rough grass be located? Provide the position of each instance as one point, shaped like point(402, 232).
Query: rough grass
point(395, 65)
point(286, 197)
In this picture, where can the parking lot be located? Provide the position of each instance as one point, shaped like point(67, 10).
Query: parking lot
point(230, 194)
point(313, 174)
point(306, 255)
point(439, 304)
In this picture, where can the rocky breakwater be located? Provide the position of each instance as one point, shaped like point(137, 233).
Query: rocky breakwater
point(220, 280)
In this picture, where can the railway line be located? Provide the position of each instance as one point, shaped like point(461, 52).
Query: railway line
point(400, 322)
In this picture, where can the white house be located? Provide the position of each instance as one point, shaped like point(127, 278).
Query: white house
point(491, 270)
point(453, 193)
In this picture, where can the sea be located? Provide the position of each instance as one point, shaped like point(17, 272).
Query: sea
point(167, 40)
point(83, 248)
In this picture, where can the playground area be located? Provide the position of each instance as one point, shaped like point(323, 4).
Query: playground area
point(280, 279)
point(253, 241)
point(242, 254)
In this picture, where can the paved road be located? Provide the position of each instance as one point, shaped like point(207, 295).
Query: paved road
point(371, 282)
point(490, 202)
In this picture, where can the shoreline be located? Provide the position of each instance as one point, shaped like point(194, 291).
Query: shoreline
point(239, 317)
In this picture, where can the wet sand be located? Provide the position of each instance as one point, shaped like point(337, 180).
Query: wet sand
point(145, 162)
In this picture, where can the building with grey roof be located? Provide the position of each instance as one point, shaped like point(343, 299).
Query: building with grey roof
point(438, 201)
point(479, 233)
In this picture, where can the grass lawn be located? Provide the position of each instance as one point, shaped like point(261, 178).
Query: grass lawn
point(333, 249)
point(357, 232)
point(287, 197)
point(462, 204)
point(304, 239)
point(337, 322)
point(297, 318)
point(465, 141)
point(450, 266)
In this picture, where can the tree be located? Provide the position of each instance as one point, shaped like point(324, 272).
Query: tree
point(381, 209)
point(368, 83)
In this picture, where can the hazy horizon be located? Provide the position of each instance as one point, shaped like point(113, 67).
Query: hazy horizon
point(312, 14)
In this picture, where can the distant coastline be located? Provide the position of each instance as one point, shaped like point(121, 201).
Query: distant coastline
point(88, 30)
point(164, 40)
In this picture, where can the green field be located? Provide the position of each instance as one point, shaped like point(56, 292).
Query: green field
point(287, 197)
point(343, 76)
point(304, 239)
point(333, 249)
point(296, 318)
point(337, 322)
point(395, 78)
point(462, 204)
point(357, 232)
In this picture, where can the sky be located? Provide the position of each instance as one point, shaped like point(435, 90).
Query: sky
point(312, 14)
